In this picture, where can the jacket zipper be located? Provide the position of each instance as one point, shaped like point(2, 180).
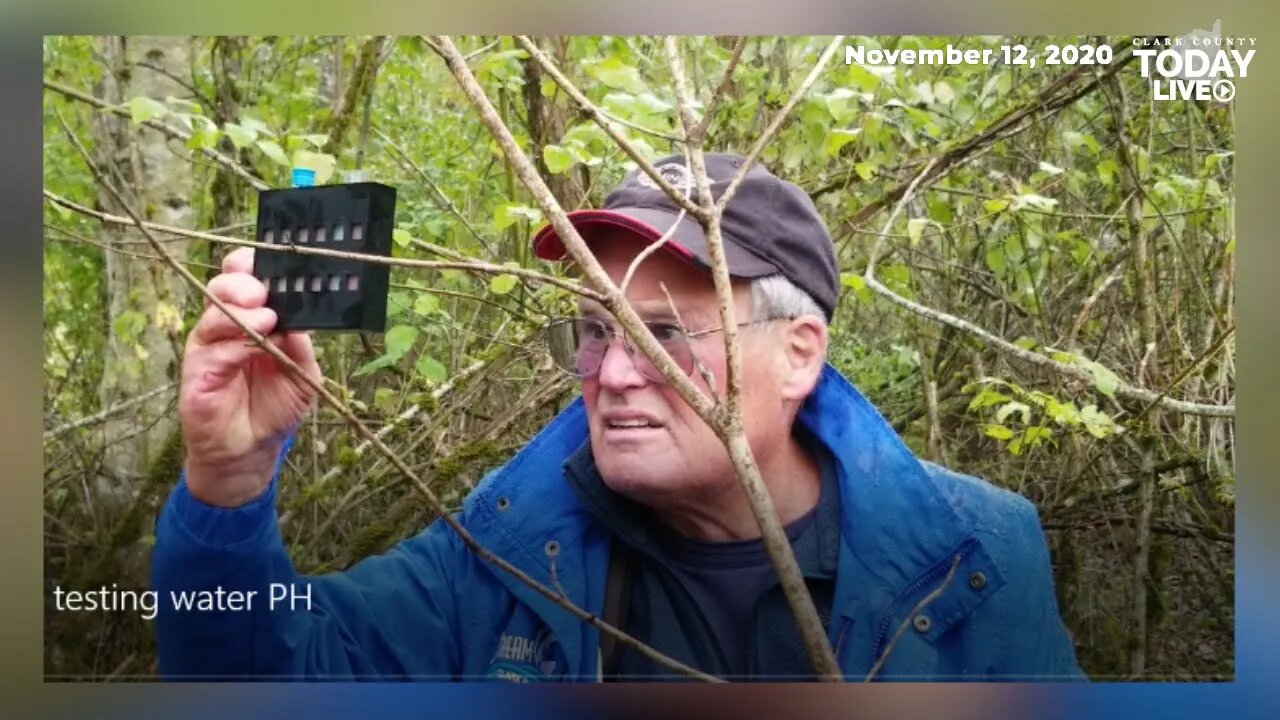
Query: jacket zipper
point(937, 572)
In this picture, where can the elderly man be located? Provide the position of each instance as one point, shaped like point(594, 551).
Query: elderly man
point(627, 496)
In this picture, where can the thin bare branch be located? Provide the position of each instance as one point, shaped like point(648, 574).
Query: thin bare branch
point(776, 124)
point(1123, 389)
point(598, 115)
point(910, 617)
point(595, 275)
point(897, 209)
point(700, 132)
point(440, 196)
point(109, 412)
point(731, 430)
point(654, 247)
point(480, 267)
point(172, 132)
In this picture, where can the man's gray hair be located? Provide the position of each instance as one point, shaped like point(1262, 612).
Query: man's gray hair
point(775, 296)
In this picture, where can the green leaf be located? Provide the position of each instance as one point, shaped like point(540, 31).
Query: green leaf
point(995, 205)
point(915, 229)
point(996, 261)
point(837, 138)
point(384, 399)
point(547, 87)
point(129, 325)
point(865, 170)
point(986, 398)
point(857, 284)
point(1036, 434)
point(397, 302)
point(316, 140)
point(583, 137)
point(189, 105)
point(426, 303)
point(401, 237)
point(322, 163)
point(204, 138)
point(399, 339)
point(502, 284)
point(998, 432)
point(256, 126)
point(375, 365)
point(506, 215)
point(613, 72)
point(1037, 202)
point(240, 136)
point(273, 150)
point(1026, 343)
point(652, 104)
point(841, 104)
point(142, 109)
point(431, 369)
point(852, 281)
point(1103, 377)
point(557, 159)
point(1015, 447)
point(1107, 171)
point(1098, 423)
point(860, 77)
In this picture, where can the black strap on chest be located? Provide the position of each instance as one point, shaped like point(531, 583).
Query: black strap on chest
point(617, 598)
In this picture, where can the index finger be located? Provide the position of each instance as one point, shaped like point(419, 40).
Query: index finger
point(238, 260)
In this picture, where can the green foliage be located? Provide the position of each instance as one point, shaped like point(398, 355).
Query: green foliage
point(399, 340)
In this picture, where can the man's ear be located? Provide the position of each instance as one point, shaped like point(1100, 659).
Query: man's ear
point(805, 348)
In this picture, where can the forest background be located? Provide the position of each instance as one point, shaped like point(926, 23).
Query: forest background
point(1052, 304)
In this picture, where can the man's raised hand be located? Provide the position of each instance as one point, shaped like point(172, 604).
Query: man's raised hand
point(237, 403)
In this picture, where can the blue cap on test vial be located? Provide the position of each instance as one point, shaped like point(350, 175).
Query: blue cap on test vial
point(303, 177)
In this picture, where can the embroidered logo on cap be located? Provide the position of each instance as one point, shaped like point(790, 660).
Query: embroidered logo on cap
point(678, 175)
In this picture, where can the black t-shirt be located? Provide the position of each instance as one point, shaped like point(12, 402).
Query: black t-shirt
point(715, 606)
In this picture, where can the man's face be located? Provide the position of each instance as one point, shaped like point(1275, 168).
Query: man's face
point(677, 458)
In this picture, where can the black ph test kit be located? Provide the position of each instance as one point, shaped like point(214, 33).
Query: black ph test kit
point(319, 292)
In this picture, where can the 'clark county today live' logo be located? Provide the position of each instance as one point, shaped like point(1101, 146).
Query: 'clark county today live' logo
point(1201, 65)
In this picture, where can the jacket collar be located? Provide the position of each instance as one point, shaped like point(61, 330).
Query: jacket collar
point(895, 521)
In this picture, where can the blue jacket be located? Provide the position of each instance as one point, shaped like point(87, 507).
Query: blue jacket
point(429, 609)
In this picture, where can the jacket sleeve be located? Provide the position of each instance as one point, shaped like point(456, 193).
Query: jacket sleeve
point(393, 615)
point(1043, 650)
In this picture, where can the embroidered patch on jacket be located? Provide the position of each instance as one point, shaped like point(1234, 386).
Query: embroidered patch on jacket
point(524, 659)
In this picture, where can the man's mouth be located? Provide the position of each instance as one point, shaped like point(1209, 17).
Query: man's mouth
point(630, 424)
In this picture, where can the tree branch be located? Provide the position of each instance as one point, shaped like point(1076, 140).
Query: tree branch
point(441, 197)
point(604, 122)
point(480, 267)
point(109, 412)
point(776, 124)
point(700, 132)
point(610, 297)
point(172, 132)
point(371, 437)
point(1123, 389)
point(731, 431)
point(919, 608)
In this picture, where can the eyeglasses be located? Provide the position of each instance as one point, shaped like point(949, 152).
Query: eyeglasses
point(578, 345)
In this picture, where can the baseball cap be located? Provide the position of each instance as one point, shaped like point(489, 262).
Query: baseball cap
point(770, 227)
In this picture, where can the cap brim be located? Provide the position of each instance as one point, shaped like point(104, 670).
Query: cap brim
point(687, 240)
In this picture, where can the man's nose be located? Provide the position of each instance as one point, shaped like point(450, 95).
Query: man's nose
point(617, 371)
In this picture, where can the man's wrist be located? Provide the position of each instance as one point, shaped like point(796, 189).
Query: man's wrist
point(230, 485)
